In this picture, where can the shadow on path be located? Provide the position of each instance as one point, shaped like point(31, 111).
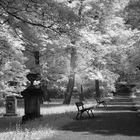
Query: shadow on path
point(108, 124)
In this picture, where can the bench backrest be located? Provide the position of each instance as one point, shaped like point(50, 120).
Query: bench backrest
point(79, 105)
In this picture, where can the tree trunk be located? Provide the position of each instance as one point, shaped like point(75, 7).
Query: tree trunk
point(97, 88)
point(71, 82)
point(81, 94)
point(69, 91)
point(46, 94)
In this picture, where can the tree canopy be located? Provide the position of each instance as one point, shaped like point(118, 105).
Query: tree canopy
point(94, 39)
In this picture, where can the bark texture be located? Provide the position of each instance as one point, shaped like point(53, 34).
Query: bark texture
point(71, 82)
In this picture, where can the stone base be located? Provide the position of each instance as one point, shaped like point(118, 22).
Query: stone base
point(10, 114)
point(29, 117)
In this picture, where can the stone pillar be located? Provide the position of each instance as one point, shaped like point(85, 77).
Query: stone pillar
point(11, 106)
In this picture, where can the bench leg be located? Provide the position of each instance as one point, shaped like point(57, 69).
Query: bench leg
point(92, 113)
point(79, 115)
point(105, 104)
point(88, 113)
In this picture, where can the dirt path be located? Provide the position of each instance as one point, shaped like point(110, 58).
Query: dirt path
point(119, 122)
point(105, 126)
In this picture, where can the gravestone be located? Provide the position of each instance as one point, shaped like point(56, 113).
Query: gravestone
point(11, 106)
point(32, 99)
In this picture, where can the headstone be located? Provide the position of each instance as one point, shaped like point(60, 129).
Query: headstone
point(11, 106)
point(32, 99)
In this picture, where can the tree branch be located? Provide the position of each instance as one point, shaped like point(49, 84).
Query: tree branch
point(29, 22)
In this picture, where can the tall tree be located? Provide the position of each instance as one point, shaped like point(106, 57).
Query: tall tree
point(12, 59)
point(97, 28)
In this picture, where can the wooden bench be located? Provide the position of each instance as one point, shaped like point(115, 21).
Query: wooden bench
point(82, 109)
point(99, 101)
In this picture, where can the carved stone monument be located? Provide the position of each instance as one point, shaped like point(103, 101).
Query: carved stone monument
point(11, 106)
point(32, 99)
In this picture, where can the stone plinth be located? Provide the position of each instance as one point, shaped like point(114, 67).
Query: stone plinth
point(11, 106)
point(32, 99)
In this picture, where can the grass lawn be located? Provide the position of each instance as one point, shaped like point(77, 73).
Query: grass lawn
point(58, 123)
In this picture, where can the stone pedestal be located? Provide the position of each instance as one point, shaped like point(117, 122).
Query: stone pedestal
point(11, 106)
point(32, 99)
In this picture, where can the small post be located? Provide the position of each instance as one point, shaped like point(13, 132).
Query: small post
point(97, 88)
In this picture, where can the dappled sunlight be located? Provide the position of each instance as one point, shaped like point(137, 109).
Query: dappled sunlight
point(27, 134)
point(20, 111)
point(58, 109)
point(2, 110)
point(72, 108)
point(12, 129)
point(70, 69)
point(58, 121)
point(51, 110)
point(54, 109)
